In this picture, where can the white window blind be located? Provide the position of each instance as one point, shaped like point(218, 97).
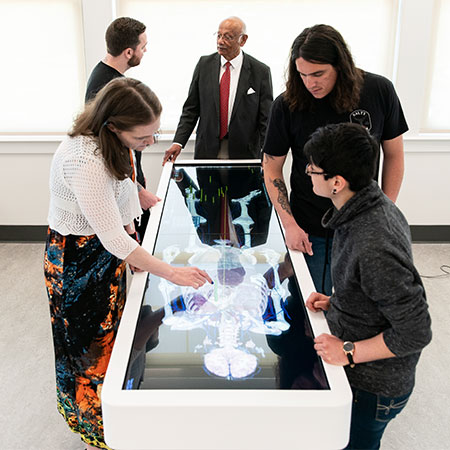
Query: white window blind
point(437, 116)
point(179, 32)
point(42, 65)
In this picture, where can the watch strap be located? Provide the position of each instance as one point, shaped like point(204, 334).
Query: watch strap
point(350, 360)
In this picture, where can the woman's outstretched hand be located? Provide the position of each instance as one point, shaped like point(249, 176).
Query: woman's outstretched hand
point(190, 276)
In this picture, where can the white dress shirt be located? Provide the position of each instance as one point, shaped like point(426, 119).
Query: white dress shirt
point(235, 71)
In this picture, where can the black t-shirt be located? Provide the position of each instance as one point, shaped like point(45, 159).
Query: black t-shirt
point(101, 75)
point(379, 110)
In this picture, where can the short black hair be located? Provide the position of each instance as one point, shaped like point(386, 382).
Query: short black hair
point(123, 33)
point(345, 149)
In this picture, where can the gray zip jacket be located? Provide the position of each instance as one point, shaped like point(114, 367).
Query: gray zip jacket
point(377, 290)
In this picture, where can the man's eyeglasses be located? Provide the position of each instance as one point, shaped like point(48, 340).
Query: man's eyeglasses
point(310, 172)
point(227, 37)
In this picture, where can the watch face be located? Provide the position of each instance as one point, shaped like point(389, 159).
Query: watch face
point(348, 346)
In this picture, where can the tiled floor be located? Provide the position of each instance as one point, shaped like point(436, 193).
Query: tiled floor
point(28, 416)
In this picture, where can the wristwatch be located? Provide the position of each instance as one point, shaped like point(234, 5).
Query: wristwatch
point(349, 348)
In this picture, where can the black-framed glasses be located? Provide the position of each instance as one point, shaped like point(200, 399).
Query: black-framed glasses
point(156, 136)
point(227, 37)
point(310, 172)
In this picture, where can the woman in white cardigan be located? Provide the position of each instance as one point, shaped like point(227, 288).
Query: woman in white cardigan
point(93, 201)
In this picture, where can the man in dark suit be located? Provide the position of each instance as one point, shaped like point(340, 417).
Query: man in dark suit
point(230, 95)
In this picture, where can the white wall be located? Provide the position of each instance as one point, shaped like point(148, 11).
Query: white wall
point(25, 172)
point(424, 195)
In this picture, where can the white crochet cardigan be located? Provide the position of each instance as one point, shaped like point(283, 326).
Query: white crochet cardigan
point(86, 199)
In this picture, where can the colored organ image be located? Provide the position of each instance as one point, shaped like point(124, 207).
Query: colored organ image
point(241, 301)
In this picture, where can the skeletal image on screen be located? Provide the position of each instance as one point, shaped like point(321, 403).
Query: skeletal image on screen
point(247, 330)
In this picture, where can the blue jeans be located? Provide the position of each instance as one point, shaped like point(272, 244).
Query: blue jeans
point(316, 263)
point(370, 415)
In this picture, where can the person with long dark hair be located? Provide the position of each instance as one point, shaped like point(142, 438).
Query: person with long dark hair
point(93, 201)
point(324, 86)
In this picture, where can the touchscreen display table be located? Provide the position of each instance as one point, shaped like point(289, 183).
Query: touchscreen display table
point(230, 365)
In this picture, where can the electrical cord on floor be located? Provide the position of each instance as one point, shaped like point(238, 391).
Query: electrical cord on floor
point(444, 268)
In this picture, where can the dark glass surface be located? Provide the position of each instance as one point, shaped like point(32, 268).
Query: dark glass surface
point(248, 330)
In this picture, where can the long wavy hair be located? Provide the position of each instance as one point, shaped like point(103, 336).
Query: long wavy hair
point(322, 44)
point(123, 103)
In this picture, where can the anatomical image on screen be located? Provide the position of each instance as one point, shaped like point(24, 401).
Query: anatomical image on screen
point(247, 330)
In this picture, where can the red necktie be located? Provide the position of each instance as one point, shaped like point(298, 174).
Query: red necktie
point(224, 218)
point(224, 95)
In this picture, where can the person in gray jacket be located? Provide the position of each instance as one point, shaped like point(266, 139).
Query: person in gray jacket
point(378, 314)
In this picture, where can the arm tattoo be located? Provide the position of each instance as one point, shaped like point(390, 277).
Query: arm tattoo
point(282, 195)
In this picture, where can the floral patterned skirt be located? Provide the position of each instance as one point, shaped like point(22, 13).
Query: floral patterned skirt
point(86, 287)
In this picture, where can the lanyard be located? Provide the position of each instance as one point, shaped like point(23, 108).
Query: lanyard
point(133, 174)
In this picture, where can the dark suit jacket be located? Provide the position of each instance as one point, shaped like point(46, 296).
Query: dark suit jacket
point(249, 116)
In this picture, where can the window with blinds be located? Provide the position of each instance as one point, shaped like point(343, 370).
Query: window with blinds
point(42, 66)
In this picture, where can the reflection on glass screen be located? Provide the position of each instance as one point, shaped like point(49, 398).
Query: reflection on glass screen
point(246, 330)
